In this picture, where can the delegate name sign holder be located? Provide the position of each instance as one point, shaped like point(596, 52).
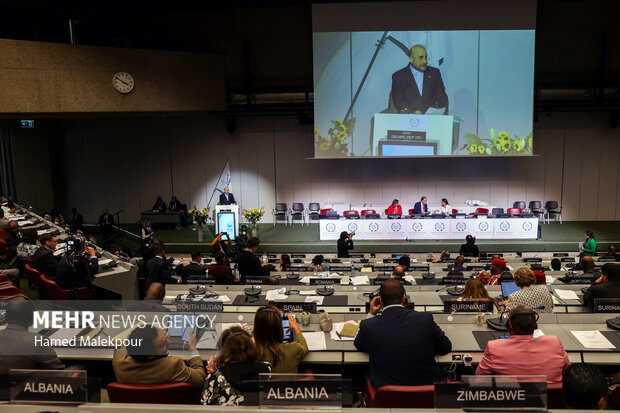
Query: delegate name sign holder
point(48, 386)
point(493, 393)
point(295, 390)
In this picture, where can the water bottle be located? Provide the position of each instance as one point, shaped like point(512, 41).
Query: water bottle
point(430, 255)
point(352, 270)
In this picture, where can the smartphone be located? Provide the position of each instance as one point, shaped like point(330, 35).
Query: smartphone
point(504, 336)
point(288, 336)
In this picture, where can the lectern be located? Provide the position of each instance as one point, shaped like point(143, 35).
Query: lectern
point(227, 220)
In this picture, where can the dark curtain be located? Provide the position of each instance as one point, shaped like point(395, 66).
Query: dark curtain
point(7, 171)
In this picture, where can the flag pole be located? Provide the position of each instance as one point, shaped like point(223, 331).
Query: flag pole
point(218, 181)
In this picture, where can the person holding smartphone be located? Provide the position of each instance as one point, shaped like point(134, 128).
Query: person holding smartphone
point(248, 263)
point(284, 348)
point(220, 244)
point(345, 243)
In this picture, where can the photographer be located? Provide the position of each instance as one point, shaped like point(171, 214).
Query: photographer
point(221, 244)
point(345, 243)
point(78, 266)
point(158, 269)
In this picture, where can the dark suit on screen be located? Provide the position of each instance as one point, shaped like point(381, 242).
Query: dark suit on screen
point(402, 345)
point(227, 200)
point(157, 270)
point(45, 262)
point(419, 208)
point(250, 265)
point(609, 289)
point(406, 95)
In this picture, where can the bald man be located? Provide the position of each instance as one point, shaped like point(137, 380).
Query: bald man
point(417, 87)
point(227, 198)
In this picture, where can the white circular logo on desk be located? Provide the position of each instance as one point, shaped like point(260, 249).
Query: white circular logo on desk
point(483, 226)
point(416, 226)
point(414, 122)
point(440, 226)
point(460, 226)
point(352, 227)
point(504, 226)
point(396, 226)
point(331, 227)
point(373, 227)
point(527, 226)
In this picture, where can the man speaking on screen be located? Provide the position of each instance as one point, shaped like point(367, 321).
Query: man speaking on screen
point(418, 86)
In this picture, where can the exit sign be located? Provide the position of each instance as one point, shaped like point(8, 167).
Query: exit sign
point(27, 123)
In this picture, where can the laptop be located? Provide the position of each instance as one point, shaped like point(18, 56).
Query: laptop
point(508, 288)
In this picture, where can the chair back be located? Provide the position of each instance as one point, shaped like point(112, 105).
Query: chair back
point(325, 210)
point(368, 211)
point(519, 204)
point(166, 393)
point(410, 211)
point(9, 292)
point(4, 278)
point(350, 212)
point(454, 211)
point(55, 292)
point(34, 275)
point(551, 206)
point(314, 207)
point(281, 208)
point(515, 211)
point(401, 396)
point(298, 207)
point(555, 396)
point(482, 211)
point(496, 211)
point(535, 206)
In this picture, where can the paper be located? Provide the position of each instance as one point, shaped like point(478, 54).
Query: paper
point(43, 231)
point(104, 261)
point(566, 294)
point(305, 280)
point(538, 333)
point(555, 300)
point(592, 339)
point(22, 223)
point(334, 334)
point(315, 340)
point(360, 280)
point(409, 279)
point(549, 279)
point(207, 341)
point(510, 268)
point(311, 292)
point(223, 298)
point(318, 299)
point(273, 295)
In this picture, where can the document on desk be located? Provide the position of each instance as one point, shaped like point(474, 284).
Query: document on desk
point(335, 333)
point(592, 339)
point(318, 299)
point(566, 294)
point(65, 333)
point(549, 279)
point(104, 261)
point(223, 298)
point(360, 280)
point(43, 231)
point(24, 222)
point(409, 279)
point(273, 295)
point(315, 340)
point(538, 333)
point(310, 292)
point(208, 340)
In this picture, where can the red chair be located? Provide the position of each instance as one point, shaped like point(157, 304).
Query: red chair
point(55, 292)
point(4, 278)
point(6, 293)
point(555, 396)
point(34, 275)
point(3, 235)
point(411, 211)
point(166, 393)
point(368, 211)
point(482, 211)
point(324, 211)
point(515, 211)
point(351, 212)
point(455, 211)
point(400, 396)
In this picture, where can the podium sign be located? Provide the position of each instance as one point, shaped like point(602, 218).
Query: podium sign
point(296, 390)
point(48, 386)
point(222, 221)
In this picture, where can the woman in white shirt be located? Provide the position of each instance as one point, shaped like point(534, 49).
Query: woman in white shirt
point(445, 207)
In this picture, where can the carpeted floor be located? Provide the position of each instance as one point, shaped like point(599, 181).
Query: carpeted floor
point(305, 238)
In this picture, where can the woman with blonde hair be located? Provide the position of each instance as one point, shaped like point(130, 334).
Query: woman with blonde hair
point(531, 295)
point(475, 290)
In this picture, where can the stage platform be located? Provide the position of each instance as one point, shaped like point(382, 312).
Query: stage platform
point(305, 238)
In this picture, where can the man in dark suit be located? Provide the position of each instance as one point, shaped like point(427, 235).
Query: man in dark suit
point(248, 263)
point(227, 198)
point(418, 87)
point(607, 286)
point(421, 207)
point(193, 269)
point(77, 221)
point(158, 270)
point(106, 221)
point(43, 259)
point(401, 343)
point(18, 350)
point(14, 237)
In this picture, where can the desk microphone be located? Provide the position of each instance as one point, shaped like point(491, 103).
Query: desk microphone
point(499, 323)
point(325, 290)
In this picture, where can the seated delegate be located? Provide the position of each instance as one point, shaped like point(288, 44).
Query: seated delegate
point(469, 248)
point(401, 343)
point(607, 286)
point(228, 373)
point(521, 353)
point(530, 295)
point(269, 338)
point(149, 362)
point(474, 290)
point(395, 208)
point(421, 207)
point(220, 271)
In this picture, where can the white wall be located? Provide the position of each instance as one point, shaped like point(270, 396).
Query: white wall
point(126, 163)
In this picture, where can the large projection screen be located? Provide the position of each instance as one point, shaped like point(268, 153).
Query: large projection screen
point(412, 79)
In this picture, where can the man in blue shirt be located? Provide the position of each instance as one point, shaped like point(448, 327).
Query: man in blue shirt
point(421, 207)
